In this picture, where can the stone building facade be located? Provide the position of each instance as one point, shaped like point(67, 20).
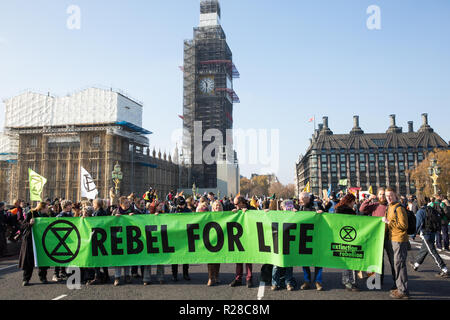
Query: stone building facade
point(377, 160)
point(58, 152)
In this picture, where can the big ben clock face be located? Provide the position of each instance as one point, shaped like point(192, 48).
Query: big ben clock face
point(206, 85)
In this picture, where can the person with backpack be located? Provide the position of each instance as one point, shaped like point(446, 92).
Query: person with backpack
point(442, 241)
point(428, 224)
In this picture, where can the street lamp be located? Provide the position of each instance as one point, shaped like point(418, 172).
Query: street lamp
point(117, 177)
point(434, 170)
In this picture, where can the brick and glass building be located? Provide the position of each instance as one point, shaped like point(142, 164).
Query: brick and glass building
point(365, 159)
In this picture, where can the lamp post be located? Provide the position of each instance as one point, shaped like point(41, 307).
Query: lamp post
point(117, 177)
point(434, 170)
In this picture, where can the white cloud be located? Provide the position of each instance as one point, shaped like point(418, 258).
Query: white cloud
point(3, 40)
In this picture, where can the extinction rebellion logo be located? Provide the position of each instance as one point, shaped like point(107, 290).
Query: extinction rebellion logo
point(61, 241)
point(347, 234)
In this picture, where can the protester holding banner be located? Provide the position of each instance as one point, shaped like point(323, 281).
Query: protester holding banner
point(180, 208)
point(241, 204)
point(26, 256)
point(124, 208)
point(397, 224)
point(147, 270)
point(214, 268)
point(288, 271)
point(307, 204)
point(374, 208)
point(60, 272)
point(345, 206)
point(100, 277)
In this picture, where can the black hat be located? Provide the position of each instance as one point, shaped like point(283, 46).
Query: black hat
point(181, 201)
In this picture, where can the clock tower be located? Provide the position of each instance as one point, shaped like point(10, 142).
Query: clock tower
point(208, 96)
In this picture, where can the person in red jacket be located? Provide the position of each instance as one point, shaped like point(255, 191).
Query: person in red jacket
point(374, 208)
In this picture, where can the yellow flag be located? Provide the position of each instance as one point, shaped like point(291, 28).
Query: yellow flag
point(307, 188)
point(370, 190)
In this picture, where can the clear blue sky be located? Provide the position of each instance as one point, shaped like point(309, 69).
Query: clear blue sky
point(296, 58)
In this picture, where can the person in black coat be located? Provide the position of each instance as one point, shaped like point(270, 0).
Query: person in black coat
point(180, 208)
point(26, 256)
point(99, 276)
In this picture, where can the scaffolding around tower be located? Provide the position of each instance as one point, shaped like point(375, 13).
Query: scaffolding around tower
point(207, 57)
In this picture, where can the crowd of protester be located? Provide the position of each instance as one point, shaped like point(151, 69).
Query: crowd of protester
point(432, 219)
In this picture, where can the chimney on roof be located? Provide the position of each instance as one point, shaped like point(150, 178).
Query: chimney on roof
point(425, 126)
point(324, 127)
point(392, 117)
point(325, 122)
point(320, 127)
point(393, 128)
point(355, 121)
point(410, 126)
point(356, 129)
point(424, 119)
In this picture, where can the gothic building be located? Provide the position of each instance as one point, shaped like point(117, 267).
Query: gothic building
point(93, 129)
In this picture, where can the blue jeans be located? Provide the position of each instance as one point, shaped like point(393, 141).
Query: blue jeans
point(288, 277)
point(317, 274)
point(118, 272)
point(442, 239)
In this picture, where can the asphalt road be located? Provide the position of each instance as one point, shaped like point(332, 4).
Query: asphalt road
point(424, 285)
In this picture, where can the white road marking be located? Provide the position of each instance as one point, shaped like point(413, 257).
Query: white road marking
point(14, 265)
point(445, 257)
point(262, 287)
point(60, 297)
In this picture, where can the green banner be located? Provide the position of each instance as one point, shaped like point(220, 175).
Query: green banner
point(280, 238)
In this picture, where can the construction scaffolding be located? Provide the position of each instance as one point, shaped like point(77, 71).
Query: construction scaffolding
point(207, 56)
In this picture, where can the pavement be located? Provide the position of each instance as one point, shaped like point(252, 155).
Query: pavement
point(423, 285)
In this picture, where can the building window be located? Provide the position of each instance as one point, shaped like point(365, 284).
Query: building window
point(333, 158)
point(372, 166)
point(333, 167)
point(371, 157)
point(342, 158)
point(75, 173)
point(352, 167)
point(362, 158)
point(324, 158)
point(401, 166)
point(379, 142)
point(391, 157)
point(352, 158)
point(96, 141)
point(381, 157)
point(33, 142)
point(362, 167)
point(420, 156)
point(63, 171)
point(401, 157)
point(410, 156)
